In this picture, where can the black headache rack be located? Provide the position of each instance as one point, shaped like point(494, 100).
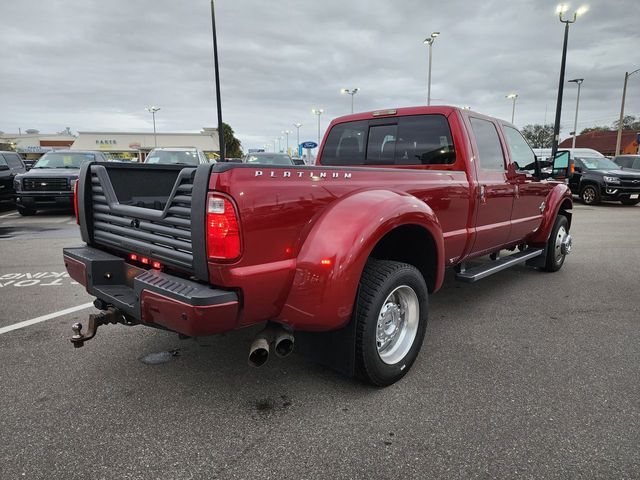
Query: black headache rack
point(156, 211)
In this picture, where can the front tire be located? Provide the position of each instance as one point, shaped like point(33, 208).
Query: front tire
point(26, 211)
point(590, 195)
point(556, 251)
point(391, 320)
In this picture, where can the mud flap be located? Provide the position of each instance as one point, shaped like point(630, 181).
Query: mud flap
point(540, 260)
point(334, 349)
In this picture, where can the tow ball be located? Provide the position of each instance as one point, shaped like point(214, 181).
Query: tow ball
point(111, 315)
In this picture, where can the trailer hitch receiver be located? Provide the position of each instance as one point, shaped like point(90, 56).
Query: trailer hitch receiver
point(110, 315)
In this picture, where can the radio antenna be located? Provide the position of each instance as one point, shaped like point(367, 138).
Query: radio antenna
point(217, 79)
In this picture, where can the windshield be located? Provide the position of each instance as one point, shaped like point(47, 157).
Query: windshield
point(597, 163)
point(272, 159)
point(63, 160)
point(171, 157)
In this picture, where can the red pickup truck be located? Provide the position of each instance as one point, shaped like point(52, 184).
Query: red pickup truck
point(340, 256)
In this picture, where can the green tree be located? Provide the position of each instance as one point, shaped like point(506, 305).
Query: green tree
point(595, 129)
point(629, 122)
point(232, 146)
point(539, 136)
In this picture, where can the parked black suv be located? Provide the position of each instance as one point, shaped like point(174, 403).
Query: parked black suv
point(598, 178)
point(11, 164)
point(50, 182)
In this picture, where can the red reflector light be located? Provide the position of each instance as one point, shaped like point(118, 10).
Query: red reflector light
point(144, 260)
point(156, 265)
point(133, 256)
point(326, 261)
point(223, 231)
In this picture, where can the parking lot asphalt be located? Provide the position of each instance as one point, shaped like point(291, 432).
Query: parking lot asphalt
point(522, 375)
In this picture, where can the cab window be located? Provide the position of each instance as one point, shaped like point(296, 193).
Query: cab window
point(409, 140)
point(522, 157)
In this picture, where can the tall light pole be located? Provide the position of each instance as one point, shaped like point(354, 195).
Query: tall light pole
point(351, 92)
point(297, 125)
point(152, 110)
point(561, 9)
point(624, 94)
point(318, 112)
point(429, 41)
point(577, 81)
point(286, 134)
point(513, 96)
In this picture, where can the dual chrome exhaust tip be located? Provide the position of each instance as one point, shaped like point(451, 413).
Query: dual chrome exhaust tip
point(272, 336)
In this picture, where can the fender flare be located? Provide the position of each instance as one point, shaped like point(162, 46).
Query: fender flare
point(334, 253)
point(559, 198)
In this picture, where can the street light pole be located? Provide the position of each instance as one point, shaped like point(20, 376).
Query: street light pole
point(429, 41)
point(513, 96)
point(298, 125)
point(577, 81)
point(624, 95)
point(153, 109)
point(556, 126)
point(318, 112)
point(351, 92)
point(286, 133)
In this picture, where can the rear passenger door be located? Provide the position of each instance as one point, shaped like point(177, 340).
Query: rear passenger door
point(495, 192)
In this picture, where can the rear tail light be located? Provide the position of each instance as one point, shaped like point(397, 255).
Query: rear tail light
point(75, 201)
point(223, 230)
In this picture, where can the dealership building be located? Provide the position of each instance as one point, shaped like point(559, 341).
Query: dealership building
point(31, 146)
point(135, 146)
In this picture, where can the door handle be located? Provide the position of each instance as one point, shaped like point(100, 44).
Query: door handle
point(481, 194)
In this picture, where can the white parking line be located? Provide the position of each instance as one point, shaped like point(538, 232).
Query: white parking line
point(9, 214)
point(44, 318)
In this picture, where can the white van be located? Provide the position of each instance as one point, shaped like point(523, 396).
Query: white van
point(544, 154)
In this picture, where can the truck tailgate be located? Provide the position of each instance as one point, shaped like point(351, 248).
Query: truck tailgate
point(156, 211)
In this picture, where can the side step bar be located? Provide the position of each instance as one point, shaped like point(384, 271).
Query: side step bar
point(474, 274)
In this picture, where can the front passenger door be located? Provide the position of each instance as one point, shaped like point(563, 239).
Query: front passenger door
point(530, 193)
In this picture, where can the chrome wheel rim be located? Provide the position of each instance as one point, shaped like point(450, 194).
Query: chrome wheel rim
point(589, 195)
point(562, 245)
point(397, 324)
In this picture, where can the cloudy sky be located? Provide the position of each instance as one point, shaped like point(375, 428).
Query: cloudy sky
point(95, 65)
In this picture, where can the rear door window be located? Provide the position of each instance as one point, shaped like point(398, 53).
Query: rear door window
point(490, 152)
point(410, 140)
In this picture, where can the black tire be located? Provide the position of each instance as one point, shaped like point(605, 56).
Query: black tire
point(26, 211)
point(590, 194)
point(379, 279)
point(628, 201)
point(553, 262)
